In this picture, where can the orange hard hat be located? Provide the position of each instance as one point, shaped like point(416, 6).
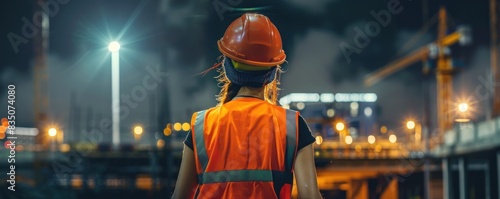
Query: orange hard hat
point(253, 39)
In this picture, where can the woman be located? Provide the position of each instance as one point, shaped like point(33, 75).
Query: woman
point(246, 146)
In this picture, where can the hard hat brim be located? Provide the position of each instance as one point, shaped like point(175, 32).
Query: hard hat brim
point(241, 58)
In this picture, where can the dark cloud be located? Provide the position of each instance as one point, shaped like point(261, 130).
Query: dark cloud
point(312, 6)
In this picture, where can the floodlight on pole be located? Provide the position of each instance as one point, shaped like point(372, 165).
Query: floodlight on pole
point(52, 132)
point(464, 111)
point(463, 107)
point(339, 126)
point(114, 48)
point(138, 130)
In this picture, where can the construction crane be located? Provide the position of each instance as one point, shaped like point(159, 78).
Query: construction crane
point(494, 57)
point(444, 71)
point(41, 101)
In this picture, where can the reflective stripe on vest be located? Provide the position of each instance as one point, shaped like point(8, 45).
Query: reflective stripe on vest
point(244, 175)
point(291, 138)
point(238, 176)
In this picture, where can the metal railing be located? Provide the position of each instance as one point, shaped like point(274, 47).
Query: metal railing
point(361, 149)
point(467, 137)
point(472, 132)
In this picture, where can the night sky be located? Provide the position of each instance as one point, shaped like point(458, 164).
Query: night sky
point(179, 36)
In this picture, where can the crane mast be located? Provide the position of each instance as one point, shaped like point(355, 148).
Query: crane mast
point(444, 78)
point(494, 58)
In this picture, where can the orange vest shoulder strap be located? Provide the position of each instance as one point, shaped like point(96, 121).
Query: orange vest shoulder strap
point(199, 138)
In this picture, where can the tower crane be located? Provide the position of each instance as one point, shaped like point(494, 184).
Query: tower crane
point(444, 69)
point(494, 57)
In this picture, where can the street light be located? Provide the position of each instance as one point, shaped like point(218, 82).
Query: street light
point(368, 111)
point(138, 130)
point(186, 126)
point(52, 132)
point(463, 115)
point(167, 131)
point(319, 139)
point(371, 139)
point(348, 139)
point(300, 105)
point(393, 138)
point(463, 107)
point(177, 126)
point(330, 112)
point(383, 129)
point(160, 143)
point(417, 129)
point(410, 124)
point(339, 126)
point(4, 125)
point(114, 48)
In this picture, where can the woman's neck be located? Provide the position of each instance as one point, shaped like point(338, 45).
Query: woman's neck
point(251, 92)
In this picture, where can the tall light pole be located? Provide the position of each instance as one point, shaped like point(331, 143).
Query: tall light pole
point(340, 126)
point(138, 132)
point(52, 133)
point(463, 113)
point(414, 127)
point(114, 48)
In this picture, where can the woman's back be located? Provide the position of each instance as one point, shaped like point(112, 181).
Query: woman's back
point(242, 149)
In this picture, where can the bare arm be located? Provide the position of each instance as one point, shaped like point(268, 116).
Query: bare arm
point(187, 180)
point(305, 174)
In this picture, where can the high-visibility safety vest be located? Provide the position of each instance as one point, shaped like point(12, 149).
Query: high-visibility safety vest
point(245, 149)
